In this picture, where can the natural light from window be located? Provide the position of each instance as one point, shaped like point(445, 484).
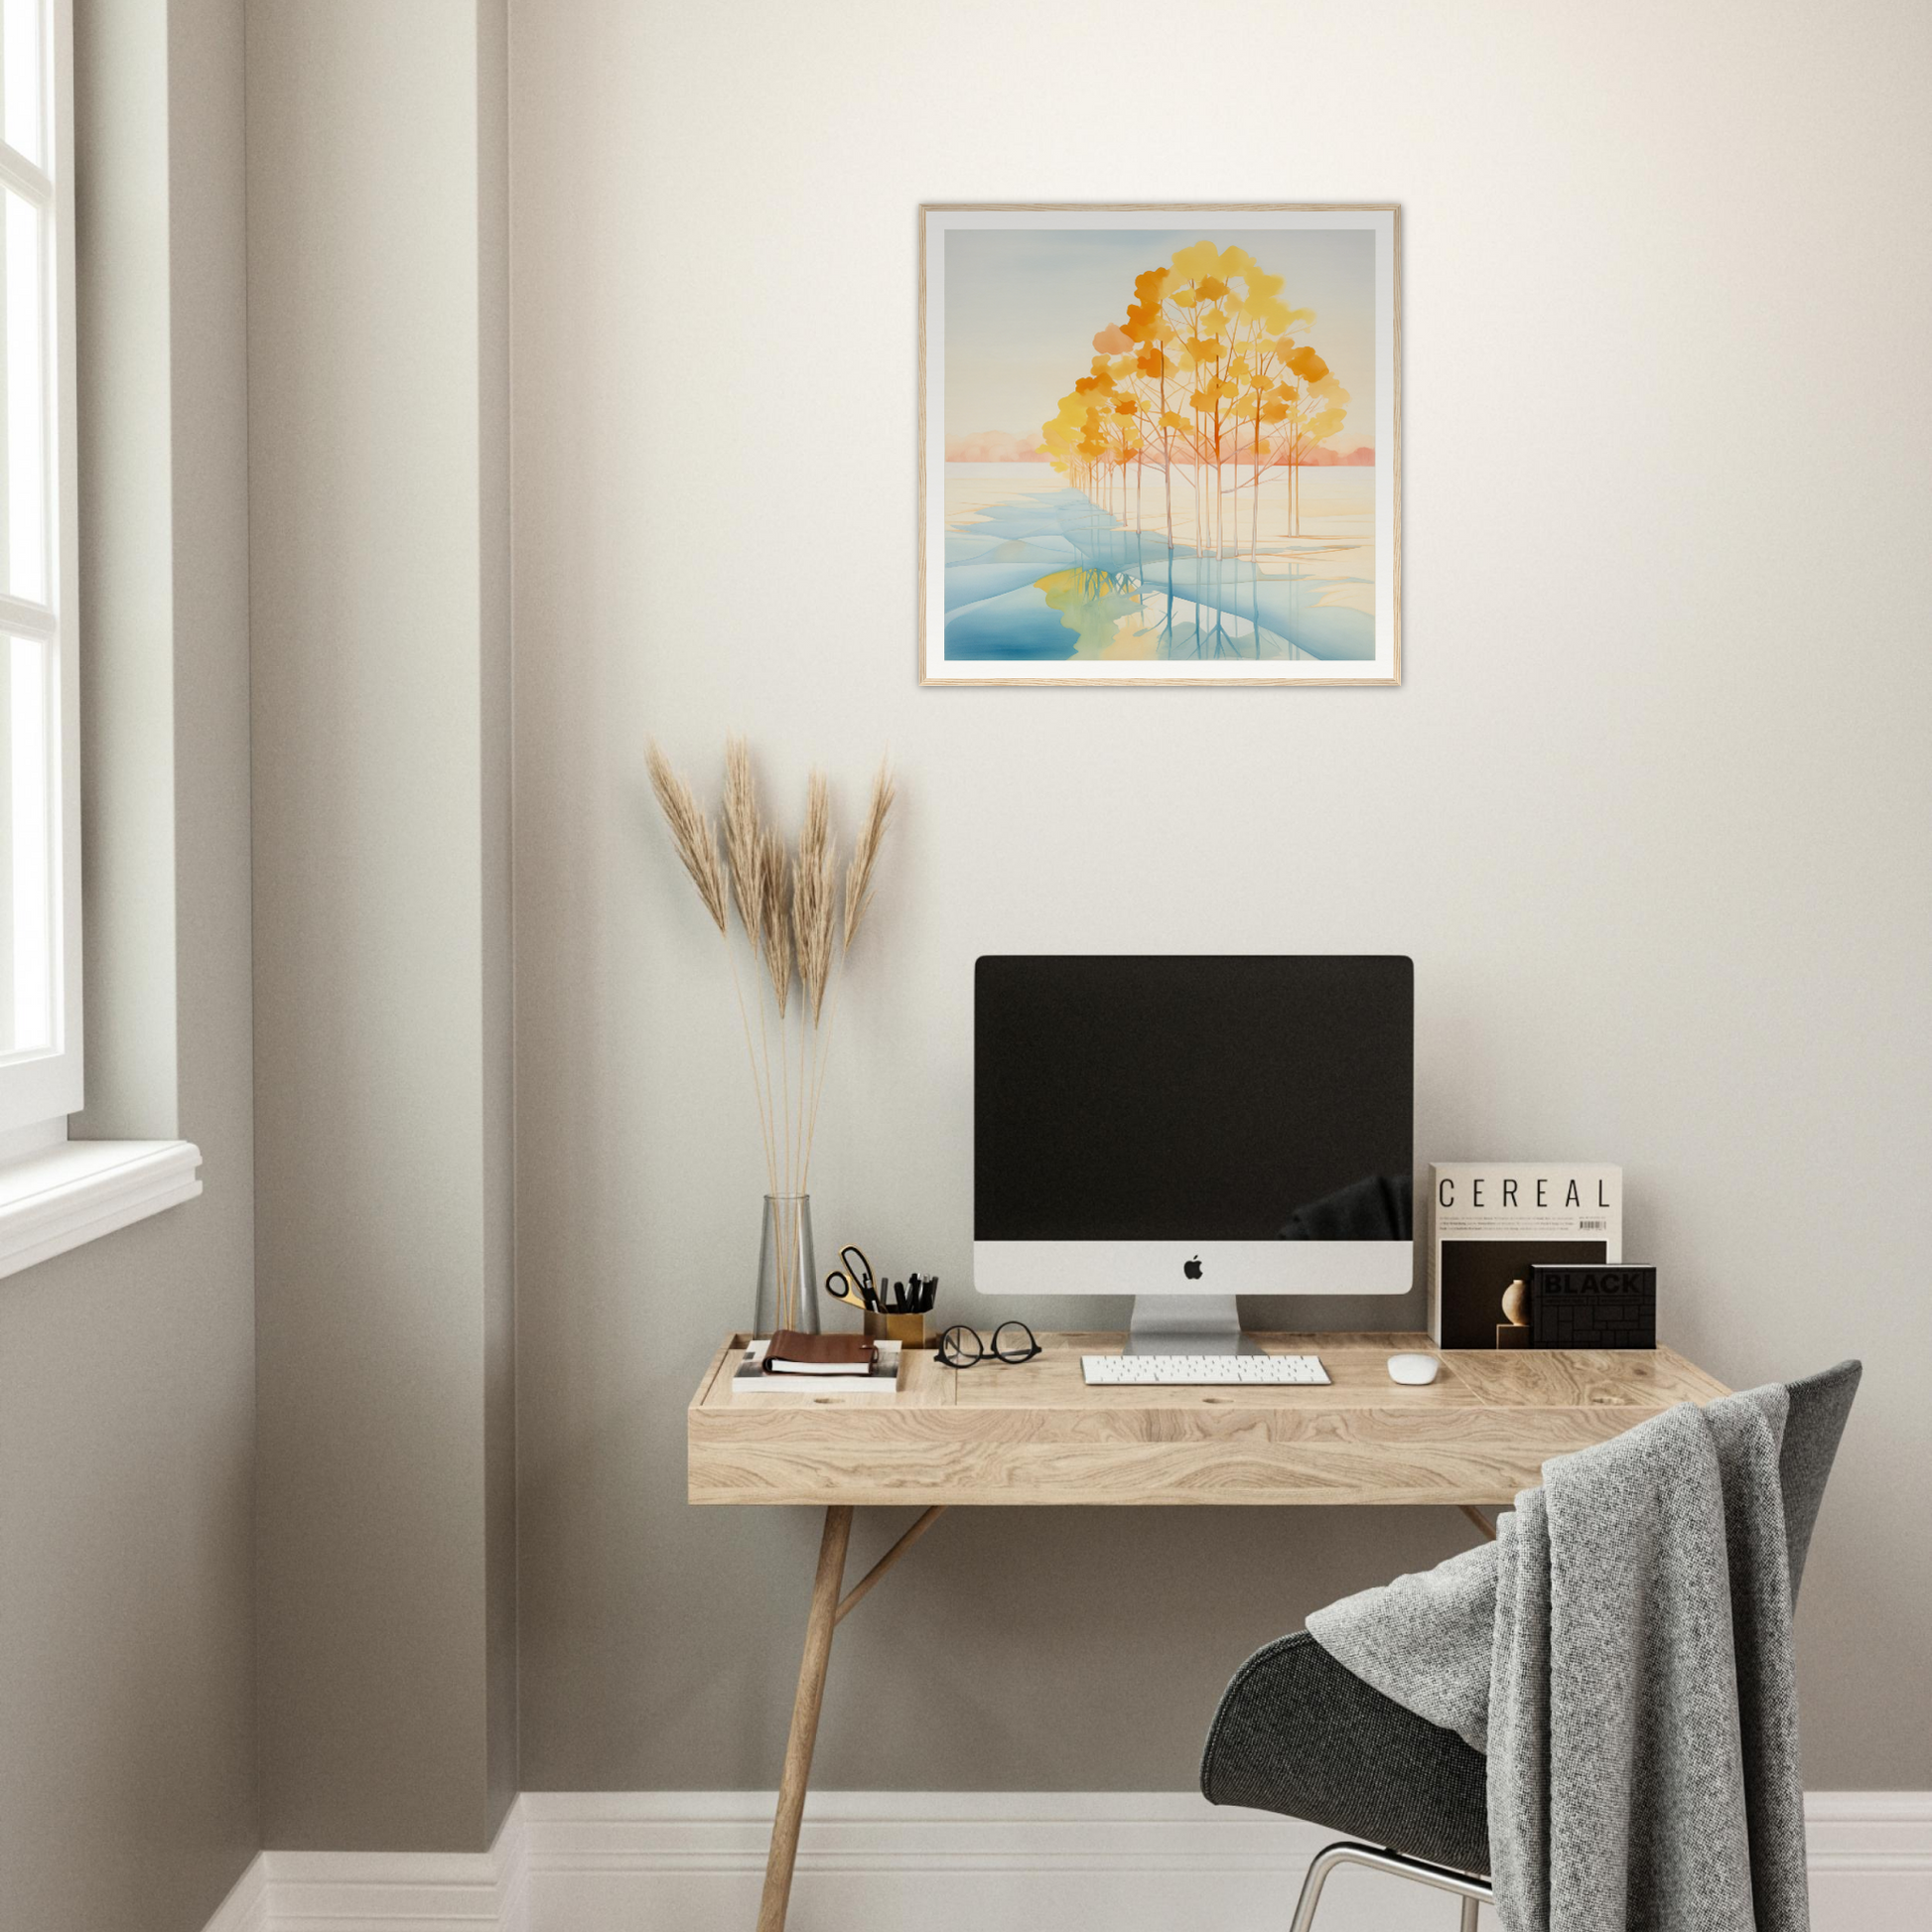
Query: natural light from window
point(32, 785)
point(57, 1191)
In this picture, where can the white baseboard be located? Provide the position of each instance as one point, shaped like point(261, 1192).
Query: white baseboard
point(954, 1861)
point(245, 1909)
point(385, 1891)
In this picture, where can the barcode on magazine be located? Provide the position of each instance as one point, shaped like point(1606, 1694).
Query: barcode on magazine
point(1600, 1225)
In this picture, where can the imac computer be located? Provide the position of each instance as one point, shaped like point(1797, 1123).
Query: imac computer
point(1188, 1129)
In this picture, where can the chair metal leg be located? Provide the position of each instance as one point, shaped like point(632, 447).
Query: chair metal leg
point(1472, 1891)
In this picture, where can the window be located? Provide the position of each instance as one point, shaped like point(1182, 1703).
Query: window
point(55, 1193)
point(39, 846)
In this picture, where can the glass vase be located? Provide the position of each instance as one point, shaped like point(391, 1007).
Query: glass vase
point(787, 1271)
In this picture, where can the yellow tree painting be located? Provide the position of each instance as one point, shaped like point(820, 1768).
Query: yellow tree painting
point(1155, 452)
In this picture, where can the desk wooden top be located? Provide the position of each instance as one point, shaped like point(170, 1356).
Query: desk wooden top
point(1034, 1434)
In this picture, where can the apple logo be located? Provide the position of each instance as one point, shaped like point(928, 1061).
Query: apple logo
point(1191, 1269)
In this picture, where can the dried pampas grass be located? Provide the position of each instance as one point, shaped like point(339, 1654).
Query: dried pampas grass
point(774, 917)
point(814, 895)
point(787, 909)
point(691, 833)
point(865, 852)
point(743, 848)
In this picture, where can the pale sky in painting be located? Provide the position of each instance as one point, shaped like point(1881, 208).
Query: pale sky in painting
point(1022, 306)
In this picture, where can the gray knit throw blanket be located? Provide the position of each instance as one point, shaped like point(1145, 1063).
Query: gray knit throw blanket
point(1622, 1652)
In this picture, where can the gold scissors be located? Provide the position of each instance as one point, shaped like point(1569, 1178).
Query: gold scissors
point(853, 1282)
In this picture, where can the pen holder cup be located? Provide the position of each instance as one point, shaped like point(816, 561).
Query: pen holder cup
point(906, 1328)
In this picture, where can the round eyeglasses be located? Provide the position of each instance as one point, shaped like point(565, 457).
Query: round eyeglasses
point(962, 1347)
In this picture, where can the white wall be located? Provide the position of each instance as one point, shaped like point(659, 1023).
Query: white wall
point(1650, 810)
point(378, 445)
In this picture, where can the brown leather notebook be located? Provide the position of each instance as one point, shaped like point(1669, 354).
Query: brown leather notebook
point(793, 1353)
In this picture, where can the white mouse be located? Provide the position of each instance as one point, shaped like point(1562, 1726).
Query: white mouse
point(1415, 1370)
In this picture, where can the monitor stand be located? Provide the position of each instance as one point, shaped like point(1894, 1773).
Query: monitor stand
point(1186, 1325)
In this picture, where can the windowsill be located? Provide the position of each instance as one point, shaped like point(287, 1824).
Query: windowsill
point(78, 1190)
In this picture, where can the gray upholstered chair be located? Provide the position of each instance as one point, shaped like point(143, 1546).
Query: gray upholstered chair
point(1298, 1734)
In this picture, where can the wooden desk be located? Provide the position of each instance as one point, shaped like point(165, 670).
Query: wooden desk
point(1033, 1433)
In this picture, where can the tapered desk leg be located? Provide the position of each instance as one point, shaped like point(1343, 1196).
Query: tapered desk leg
point(804, 1719)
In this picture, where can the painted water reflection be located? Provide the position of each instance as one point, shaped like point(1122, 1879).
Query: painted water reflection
point(1036, 570)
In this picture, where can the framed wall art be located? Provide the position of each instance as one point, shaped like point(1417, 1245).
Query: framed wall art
point(1158, 444)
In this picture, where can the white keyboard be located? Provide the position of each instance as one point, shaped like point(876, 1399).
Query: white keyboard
point(1202, 1371)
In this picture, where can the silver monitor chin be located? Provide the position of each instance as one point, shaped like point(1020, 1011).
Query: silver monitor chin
point(1184, 1296)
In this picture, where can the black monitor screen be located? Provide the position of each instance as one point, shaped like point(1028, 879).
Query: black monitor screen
point(1243, 1098)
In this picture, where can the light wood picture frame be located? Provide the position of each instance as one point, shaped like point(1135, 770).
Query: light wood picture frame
point(1160, 444)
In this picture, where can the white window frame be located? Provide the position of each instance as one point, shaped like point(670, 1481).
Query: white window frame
point(55, 1193)
point(38, 1089)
